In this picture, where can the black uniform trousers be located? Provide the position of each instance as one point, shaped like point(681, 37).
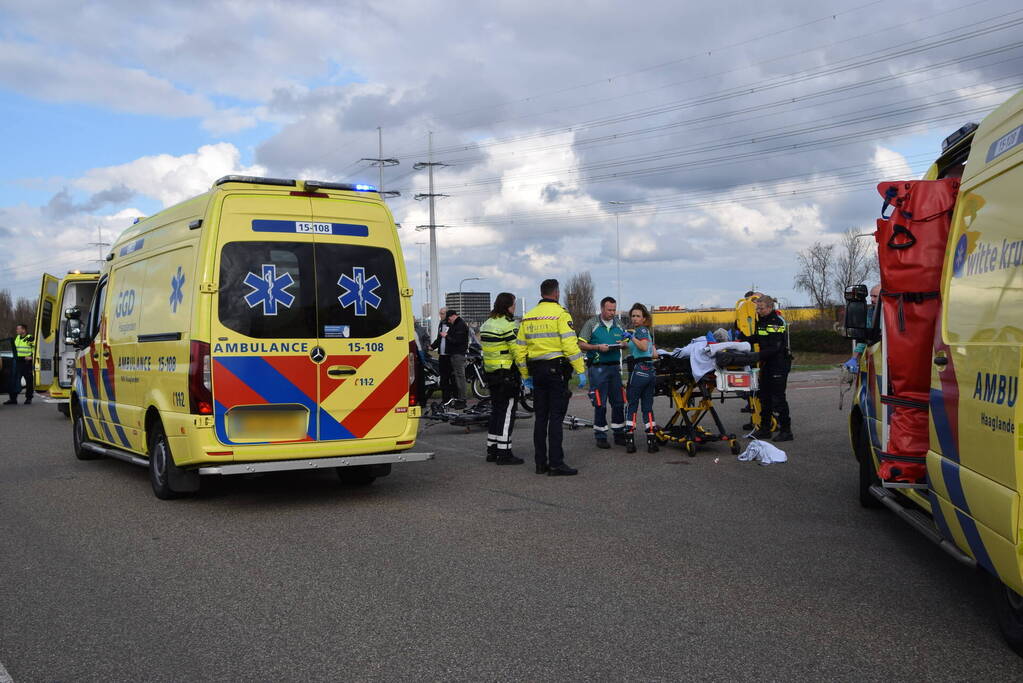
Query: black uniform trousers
point(447, 380)
point(550, 403)
point(773, 380)
point(22, 368)
point(504, 394)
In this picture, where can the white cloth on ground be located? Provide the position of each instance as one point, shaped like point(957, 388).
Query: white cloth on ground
point(763, 452)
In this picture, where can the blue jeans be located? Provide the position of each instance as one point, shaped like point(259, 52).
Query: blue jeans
point(641, 397)
point(606, 389)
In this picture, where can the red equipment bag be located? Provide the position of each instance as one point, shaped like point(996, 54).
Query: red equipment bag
point(911, 243)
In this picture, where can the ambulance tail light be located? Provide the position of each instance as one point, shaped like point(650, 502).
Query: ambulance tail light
point(414, 373)
point(200, 385)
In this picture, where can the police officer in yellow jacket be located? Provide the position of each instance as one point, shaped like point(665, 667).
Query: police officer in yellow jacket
point(551, 355)
point(24, 348)
point(500, 356)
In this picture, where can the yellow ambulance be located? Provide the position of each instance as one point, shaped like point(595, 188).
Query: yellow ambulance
point(970, 502)
point(58, 312)
point(265, 325)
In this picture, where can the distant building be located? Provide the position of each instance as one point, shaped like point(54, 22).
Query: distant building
point(474, 307)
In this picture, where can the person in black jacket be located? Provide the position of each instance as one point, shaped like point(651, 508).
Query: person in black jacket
point(775, 364)
point(451, 343)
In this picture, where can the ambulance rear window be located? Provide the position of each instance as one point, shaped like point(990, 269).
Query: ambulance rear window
point(267, 290)
point(357, 291)
point(298, 290)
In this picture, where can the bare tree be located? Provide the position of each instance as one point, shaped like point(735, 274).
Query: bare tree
point(6, 314)
point(579, 298)
point(817, 273)
point(856, 262)
point(25, 314)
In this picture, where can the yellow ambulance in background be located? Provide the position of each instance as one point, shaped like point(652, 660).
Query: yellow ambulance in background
point(265, 325)
point(57, 313)
point(970, 502)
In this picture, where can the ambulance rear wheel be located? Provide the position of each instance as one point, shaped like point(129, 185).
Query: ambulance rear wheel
point(362, 475)
point(168, 480)
point(1008, 606)
point(78, 434)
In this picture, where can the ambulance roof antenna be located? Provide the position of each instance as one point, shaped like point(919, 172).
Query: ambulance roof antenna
point(100, 244)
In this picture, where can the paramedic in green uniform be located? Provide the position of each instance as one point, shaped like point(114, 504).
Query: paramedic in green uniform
point(601, 337)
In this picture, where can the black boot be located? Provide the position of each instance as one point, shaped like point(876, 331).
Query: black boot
point(762, 434)
point(630, 444)
point(784, 434)
point(508, 458)
point(620, 439)
point(651, 444)
point(491, 453)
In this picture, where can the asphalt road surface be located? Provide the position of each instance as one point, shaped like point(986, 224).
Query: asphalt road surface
point(643, 567)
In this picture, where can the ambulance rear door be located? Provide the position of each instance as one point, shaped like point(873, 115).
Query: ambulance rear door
point(47, 318)
point(362, 320)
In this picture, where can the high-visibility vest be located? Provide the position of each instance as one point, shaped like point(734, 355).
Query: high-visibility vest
point(23, 347)
point(546, 334)
point(497, 336)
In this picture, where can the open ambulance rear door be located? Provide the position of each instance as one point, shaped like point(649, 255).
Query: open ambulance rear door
point(47, 322)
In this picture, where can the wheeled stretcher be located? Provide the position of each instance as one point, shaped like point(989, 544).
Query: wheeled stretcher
point(692, 398)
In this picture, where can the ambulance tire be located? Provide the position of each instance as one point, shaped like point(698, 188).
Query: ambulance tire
point(1008, 608)
point(168, 480)
point(362, 475)
point(867, 475)
point(78, 436)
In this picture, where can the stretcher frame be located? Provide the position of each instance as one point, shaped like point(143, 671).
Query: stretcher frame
point(693, 401)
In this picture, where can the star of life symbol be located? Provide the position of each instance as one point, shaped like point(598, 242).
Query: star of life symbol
point(177, 293)
point(269, 290)
point(359, 291)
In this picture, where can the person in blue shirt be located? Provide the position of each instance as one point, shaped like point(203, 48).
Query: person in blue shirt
point(642, 380)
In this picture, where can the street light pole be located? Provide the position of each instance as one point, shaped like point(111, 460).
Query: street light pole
point(461, 307)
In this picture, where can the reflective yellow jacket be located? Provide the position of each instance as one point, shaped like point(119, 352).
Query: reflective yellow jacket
point(497, 336)
point(545, 334)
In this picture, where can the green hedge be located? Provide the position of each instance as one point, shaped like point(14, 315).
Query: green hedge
point(802, 339)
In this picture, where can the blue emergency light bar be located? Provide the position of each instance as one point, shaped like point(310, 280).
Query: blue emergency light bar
point(310, 185)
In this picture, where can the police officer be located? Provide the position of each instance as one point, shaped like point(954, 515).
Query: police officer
point(500, 353)
point(775, 362)
point(601, 338)
point(551, 355)
point(24, 348)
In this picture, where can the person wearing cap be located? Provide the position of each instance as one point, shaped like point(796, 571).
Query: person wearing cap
point(601, 337)
point(551, 355)
point(771, 335)
point(451, 343)
point(24, 348)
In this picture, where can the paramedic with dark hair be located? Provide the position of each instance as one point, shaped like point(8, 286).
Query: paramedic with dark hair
point(775, 363)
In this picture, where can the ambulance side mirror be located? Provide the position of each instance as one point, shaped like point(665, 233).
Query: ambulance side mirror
point(856, 325)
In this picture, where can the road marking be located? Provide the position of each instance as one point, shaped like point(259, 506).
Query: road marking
point(4, 676)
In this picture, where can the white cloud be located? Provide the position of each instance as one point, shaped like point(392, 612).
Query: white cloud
point(168, 178)
point(29, 69)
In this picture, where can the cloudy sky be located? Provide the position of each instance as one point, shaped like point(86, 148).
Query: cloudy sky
point(734, 133)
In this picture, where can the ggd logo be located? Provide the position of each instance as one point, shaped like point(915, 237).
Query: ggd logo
point(125, 303)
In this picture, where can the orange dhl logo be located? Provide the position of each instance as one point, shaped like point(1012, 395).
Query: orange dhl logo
point(738, 380)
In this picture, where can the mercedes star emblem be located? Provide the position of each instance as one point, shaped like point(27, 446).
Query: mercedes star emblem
point(318, 354)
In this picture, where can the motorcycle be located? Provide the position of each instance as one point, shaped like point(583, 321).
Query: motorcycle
point(474, 376)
